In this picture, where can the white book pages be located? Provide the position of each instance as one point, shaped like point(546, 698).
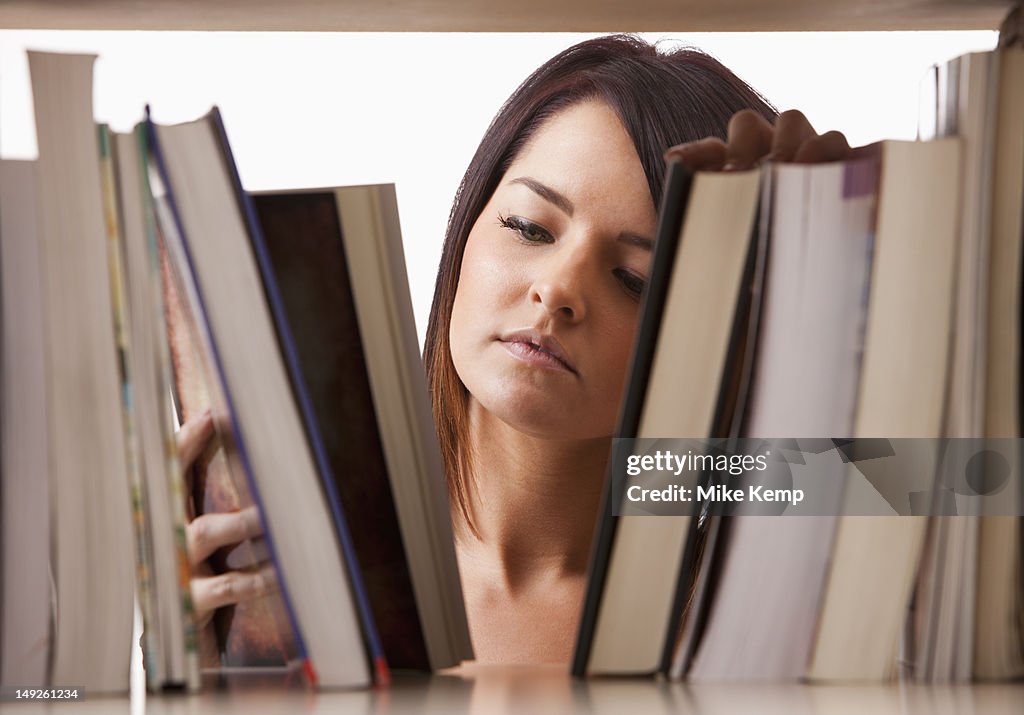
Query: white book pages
point(25, 600)
point(373, 242)
point(805, 384)
point(90, 506)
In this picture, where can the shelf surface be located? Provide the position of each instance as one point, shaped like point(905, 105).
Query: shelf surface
point(550, 691)
point(522, 15)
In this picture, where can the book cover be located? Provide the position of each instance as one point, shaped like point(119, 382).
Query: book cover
point(302, 238)
point(257, 632)
point(145, 593)
point(210, 244)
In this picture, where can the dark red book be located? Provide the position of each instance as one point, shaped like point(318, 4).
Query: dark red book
point(302, 234)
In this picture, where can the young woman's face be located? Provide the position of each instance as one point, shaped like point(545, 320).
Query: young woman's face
point(548, 295)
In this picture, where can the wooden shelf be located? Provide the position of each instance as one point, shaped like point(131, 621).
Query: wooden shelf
point(542, 690)
point(523, 15)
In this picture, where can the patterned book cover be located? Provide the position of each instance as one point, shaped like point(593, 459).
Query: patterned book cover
point(255, 632)
point(143, 553)
point(166, 378)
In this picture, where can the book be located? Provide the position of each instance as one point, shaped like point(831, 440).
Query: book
point(90, 512)
point(25, 596)
point(145, 593)
point(678, 184)
point(999, 604)
point(821, 225)
point(967, 622)
point(901, 394)
point(678, 388)
point(335, 257)
point(170, 635)
point(257, 631)
point(943, 624)
point(208, 241)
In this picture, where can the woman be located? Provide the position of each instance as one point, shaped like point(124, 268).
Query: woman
point(535, 307)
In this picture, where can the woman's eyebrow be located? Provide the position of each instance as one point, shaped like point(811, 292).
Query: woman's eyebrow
point(546, 193)
point(559, 200)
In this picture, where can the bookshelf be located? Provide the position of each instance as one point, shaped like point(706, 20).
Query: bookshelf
point(521, 16)
point(532, 689)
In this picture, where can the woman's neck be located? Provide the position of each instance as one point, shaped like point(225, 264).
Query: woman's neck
point(534, 501)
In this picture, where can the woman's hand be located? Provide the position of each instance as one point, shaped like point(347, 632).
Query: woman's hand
point(206, 533)
point(751, 140)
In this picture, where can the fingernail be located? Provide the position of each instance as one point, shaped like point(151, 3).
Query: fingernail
point(730, 166)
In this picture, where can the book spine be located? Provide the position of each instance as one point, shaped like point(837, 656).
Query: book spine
point(165, 375)
point(290, 353)
point(152, 638)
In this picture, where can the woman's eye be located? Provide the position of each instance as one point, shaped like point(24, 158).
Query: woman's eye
point(633, 283)
point(528, 231)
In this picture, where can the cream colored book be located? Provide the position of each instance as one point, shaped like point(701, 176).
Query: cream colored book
point(25, 518)
point(999, 611)
point(683, 394)
point(902, 394)
point(90, 508)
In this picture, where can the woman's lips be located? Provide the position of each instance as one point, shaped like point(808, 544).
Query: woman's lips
point(537, 349)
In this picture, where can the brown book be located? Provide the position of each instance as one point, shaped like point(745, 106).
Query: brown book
point(302, 233)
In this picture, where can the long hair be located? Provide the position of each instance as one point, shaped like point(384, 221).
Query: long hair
point(662, 99)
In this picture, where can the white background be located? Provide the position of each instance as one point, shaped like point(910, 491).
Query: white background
point(306, 110)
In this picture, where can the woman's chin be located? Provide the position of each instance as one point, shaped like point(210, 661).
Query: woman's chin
point(539, 414)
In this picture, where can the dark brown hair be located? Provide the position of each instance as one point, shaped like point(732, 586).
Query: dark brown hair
point(662, 99)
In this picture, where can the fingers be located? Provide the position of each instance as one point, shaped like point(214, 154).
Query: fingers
point(750, 139)
point(830, 146)
point(209, 532)
point(213, 592)
point(791, 131)
point(703, 155)
point(192, 438)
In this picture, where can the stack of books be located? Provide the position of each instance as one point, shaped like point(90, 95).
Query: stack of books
point(878, 297)
point(144, 287)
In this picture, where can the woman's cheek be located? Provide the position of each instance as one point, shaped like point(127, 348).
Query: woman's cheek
point(617, 343)
point(502, 277)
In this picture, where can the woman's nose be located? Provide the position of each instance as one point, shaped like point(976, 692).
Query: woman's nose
point(560, 285)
